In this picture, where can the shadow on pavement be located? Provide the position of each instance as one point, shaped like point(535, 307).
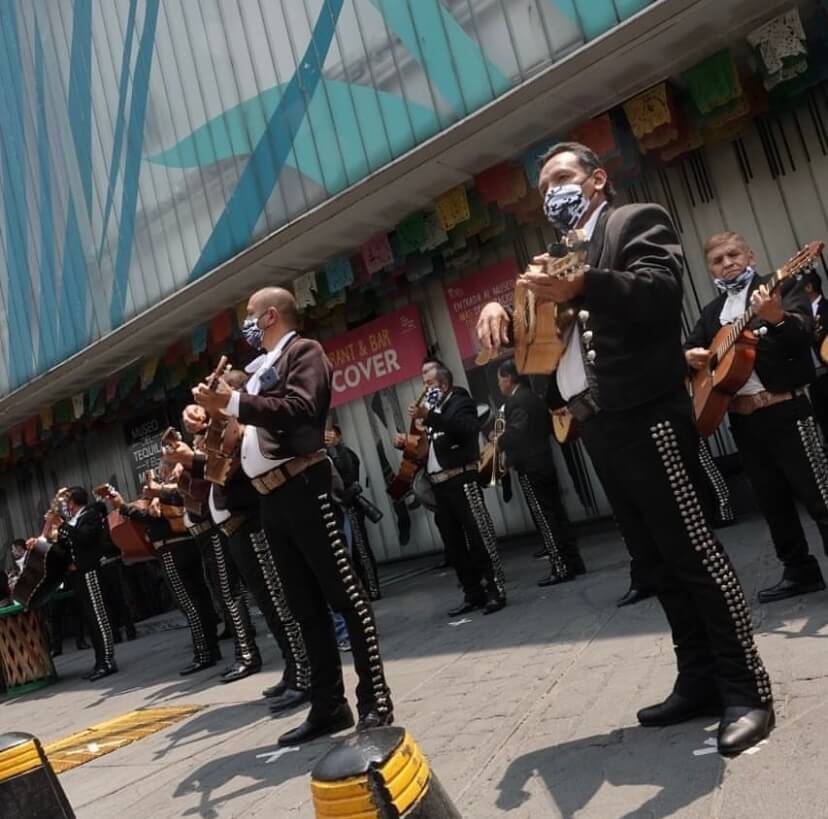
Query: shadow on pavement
point(574, 772)
point(254, 770)
point(212, 724)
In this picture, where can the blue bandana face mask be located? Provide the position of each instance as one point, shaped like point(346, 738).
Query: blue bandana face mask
point(253, 334)
point(737, 284)
point(564, 206)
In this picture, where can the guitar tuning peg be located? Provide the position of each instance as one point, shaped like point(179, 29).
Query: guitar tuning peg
point(591, 356)
point(583, 315)
point(762, 332)
point(587, 337)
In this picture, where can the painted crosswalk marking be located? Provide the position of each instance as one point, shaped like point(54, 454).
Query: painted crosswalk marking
point(106, 737)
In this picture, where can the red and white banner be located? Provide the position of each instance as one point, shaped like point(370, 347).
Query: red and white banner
point(380, 354)
point(466, 297)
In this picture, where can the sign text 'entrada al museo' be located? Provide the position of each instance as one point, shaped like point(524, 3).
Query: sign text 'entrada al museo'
point(380, 354)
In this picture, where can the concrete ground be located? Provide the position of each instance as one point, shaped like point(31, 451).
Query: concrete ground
point(526, 713)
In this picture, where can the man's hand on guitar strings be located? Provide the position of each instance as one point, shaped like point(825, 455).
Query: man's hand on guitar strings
point(214, 401)
point(493, 326)
point(697, 357)
point(194, 419)
point(768, 306)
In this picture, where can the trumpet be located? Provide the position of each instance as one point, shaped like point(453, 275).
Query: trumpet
point(499, 467)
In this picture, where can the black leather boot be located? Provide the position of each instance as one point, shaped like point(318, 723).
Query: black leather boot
point(340, 719)
point(468, 604)
point(741, 727)
point(677, 708)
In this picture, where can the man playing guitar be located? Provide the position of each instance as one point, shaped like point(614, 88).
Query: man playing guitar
point(622, 377)
point(449, 416)
point(771, 417)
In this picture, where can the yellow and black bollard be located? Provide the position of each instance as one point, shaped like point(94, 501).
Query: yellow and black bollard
point(29, 788)
point(378, 774)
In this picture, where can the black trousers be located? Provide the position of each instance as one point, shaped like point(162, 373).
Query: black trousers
point(543, 496)
point(300, 520)
point(112, 584)
point(87, 589)
point(362, 555)
point(819, 399)
point(714, 497)
point(784, 462)
point(253, 557)
point(59, 610)
point(469, 535)
point(226, 583)
point(184, 572)
point(647, 460)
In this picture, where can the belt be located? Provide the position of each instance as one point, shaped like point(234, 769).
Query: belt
point(280, 475)
point(446, 474)
point(232, 525)
point(160, 544)
point(200, 528)
point(748, 404)
point(583, 406)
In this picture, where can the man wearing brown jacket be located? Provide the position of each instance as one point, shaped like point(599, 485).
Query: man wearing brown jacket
point(284, 411)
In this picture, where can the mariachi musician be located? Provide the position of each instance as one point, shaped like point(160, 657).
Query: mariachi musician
point(450, 418)
point(525, 443)
point(234, 510)
point(161, 510)
point(221, 569)
point(771, 418)
point(284, 409)
point(78, 527)
point(622, 376)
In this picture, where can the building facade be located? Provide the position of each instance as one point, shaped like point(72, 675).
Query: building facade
point(163, 158)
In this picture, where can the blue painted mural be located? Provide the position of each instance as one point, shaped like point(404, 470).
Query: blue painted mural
point(143, 143)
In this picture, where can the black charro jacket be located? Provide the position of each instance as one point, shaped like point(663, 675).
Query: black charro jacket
point(526, 437)
point(631, 305)
point(454, 430)
point(84, 540)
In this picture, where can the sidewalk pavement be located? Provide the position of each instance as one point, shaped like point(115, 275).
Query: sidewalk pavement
point(528, 713)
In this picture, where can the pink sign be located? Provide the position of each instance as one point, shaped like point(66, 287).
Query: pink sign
point(377, 355)
point(466, 298)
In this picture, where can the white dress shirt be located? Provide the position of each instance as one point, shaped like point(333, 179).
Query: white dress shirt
point(253, 460)
point(571, 375)
point(433, 464)
point(219, 516)
point(815, 310)
point(734, 306)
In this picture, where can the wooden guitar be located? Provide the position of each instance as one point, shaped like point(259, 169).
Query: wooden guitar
point(127, 534)
point(540, 327)
point(222, 438)
point(733, 353)
point(45, 566)
point(44, 570)
point(564, 427)
point(414, 455)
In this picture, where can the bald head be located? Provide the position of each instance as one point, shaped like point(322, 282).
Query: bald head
point(279, 299)
point(275, 310)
